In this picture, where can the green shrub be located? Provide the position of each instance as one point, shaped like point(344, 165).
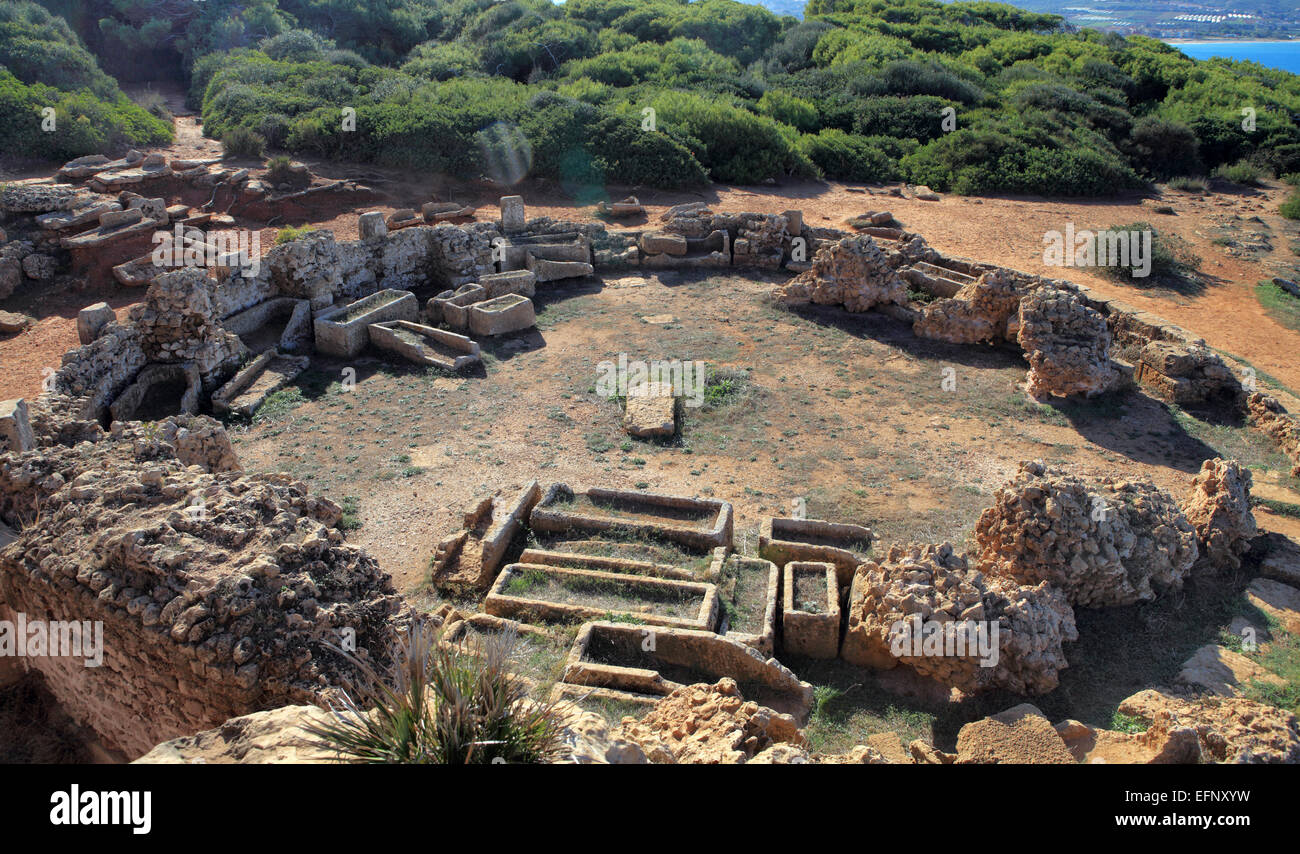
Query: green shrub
point(734, 145)
point(242, 142)
point(789, 110)
point(84, 123)
point(846, 157)
point(277, 169)
point(1171, 257)
point(1162, 149)
point(1187, 184)
point(440, 704)
point(1242, 172)
point(970, 161)
point(290, 233)
point(1291, 207)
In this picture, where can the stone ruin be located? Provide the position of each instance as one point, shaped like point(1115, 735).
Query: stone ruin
point(1067, 345)
point(220, 593)
point(920, 584)
point(852, 272)
point(1219, 511)
point(1111, 543)
point(1076, 343)
point(241, 585)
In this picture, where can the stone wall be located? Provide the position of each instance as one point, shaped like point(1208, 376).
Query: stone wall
point(218, 591)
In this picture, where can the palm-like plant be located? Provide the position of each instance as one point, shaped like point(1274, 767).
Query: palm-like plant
point(442, 704)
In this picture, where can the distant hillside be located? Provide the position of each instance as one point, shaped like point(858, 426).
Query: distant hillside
point(784, 7)
point(1173, 19)
point(968, 97)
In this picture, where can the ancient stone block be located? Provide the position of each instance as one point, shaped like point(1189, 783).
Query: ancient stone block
point(424, 345)
point(501, 316)
point(612, 655)
point(371, 226)
point(651, 411)
point(15, 426)
point(512, 214)
point(557, 593)
point(452, 307)
point(703, 523)
point(249, 388)
point(550, 271)
point(753, 587)
point(782, 540)
point(662, 243)
point(91, 319)
point(344, 331)
point(522, 282)
point(1110, 543)
point(810, 621)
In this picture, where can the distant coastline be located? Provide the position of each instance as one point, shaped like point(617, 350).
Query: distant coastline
point(1231, 41)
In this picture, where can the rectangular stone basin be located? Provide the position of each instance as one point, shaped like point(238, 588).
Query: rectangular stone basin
point(344, 331)
point(424, 345)
point(551, 593)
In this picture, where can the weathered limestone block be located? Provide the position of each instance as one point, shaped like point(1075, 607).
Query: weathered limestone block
point(177, 322)
point(424, 345)
point(452, 307)
point(513, 218)
point(651, 411)
point(924, 606)
point(810, 620)
point(344, 331)
point(662, 243)
point(1165, 742)
point(405, 257)
point(501, 316)
point(1067, 345)
point(550, 271)
point(469, 559)
point(1219, 510)
point(116, 219)
point(217, 592)
point(979, 311)
point(522, 282)
point(371, 226)
point(307, 268)
point(852, 272)
point(38, 267)
point(39, 195)
point(1183, 373)
point(1112, 543)
point(271, 737)
point(15, 426)
point(92, 319)
point(709, 725)
point(1018, 736)
point(1230, 729)
point(1218, 670)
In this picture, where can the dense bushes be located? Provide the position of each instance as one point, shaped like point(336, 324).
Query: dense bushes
point(847, 157)
point(43, 66)
point(965, 96)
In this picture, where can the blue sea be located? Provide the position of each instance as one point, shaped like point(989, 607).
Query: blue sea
point(1283, 55)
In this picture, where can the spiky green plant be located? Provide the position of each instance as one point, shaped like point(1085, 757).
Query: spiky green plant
point(442, 704)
